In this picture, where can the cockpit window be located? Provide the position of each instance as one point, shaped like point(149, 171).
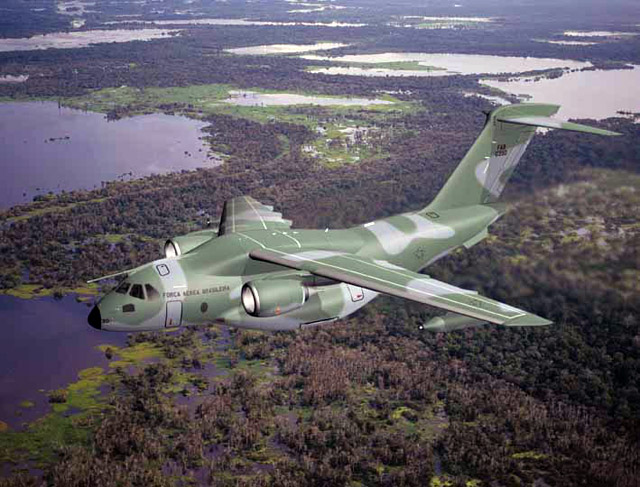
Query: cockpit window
point(152, 294)
point(136, 291)
point(123, 287)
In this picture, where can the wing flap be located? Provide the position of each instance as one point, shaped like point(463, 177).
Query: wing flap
point(384, 277)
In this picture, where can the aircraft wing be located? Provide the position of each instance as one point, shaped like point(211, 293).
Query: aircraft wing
point(244, 213)
point(384, 277)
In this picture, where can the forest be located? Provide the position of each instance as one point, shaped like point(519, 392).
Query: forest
point(372, 400)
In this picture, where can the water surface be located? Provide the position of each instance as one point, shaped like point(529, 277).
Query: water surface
point(585, 94)
point(69, 40)
point(598, 33)
point(238, 22)
point(315, 7)
point(360, 71)
point(87, 149)
point(45, 343)
point(21, 78)
point(286, 48)
point(449, 63)
point(567, 43)
point(75, 7)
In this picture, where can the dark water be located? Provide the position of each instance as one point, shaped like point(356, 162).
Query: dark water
point(44, 344)
point(87, 149)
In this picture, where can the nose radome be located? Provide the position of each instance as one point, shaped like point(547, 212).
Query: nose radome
point(94, 319)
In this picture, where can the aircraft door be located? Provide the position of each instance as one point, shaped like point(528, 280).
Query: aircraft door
point(174, 314)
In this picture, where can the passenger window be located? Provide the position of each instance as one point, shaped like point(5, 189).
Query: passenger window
point(152, 294)
point(123, 287)
point(128, 308)
point(136, 291)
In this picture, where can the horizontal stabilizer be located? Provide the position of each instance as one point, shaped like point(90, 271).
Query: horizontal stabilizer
point(552, 123)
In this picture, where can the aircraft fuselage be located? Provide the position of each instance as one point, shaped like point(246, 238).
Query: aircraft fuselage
point(205, 285)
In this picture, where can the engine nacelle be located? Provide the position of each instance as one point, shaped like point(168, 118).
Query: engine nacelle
point(177, 246)
point(273, 297)
point(451, 322)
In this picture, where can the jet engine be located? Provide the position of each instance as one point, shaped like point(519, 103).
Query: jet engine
point(273, 297)
point(177, 246)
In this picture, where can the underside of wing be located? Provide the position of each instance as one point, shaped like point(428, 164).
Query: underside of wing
point(244, 213)
point(384, 277)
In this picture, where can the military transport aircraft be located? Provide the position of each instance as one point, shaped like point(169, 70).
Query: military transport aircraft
point(256, 271)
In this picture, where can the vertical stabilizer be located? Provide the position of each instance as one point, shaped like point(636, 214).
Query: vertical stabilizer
point(485, 169)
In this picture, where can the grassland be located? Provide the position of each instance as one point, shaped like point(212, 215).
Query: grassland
point(331, 147)
point(30, 291)
point(40, 441)
point(76, 408)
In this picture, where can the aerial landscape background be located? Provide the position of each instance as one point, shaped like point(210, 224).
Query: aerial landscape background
point(124, 123)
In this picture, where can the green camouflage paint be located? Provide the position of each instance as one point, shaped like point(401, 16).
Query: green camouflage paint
point(258, 272)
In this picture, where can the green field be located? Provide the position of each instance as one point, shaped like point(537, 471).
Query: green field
point(331, 147)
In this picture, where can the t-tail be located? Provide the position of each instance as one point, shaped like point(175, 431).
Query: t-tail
point(485, 169)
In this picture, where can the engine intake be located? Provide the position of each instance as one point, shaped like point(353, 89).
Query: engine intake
point(273, 297)
point(177, 246)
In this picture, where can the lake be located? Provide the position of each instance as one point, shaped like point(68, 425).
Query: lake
point(358, 71)
point(598, 33)
point(254, 99)
point(285, 48)
point(87, 149)
point(236, 22)
point(423, 22)
point(75, 7)
point(315, 7)
point(21, 78)
point(69, 40)
point(586, 94)
point(567, 43)
point(45, 343)
point(450, 64)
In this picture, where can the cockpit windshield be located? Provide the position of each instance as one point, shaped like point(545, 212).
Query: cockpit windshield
point(152, 294)
point(136, 291)
point(123, 288)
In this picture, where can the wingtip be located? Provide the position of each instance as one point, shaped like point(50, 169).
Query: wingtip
point(607, 133)
point(528, 320)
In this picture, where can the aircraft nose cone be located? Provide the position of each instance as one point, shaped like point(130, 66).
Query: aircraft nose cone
point(94, 319)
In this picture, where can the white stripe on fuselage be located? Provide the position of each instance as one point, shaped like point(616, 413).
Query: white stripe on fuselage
point(176, 280)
